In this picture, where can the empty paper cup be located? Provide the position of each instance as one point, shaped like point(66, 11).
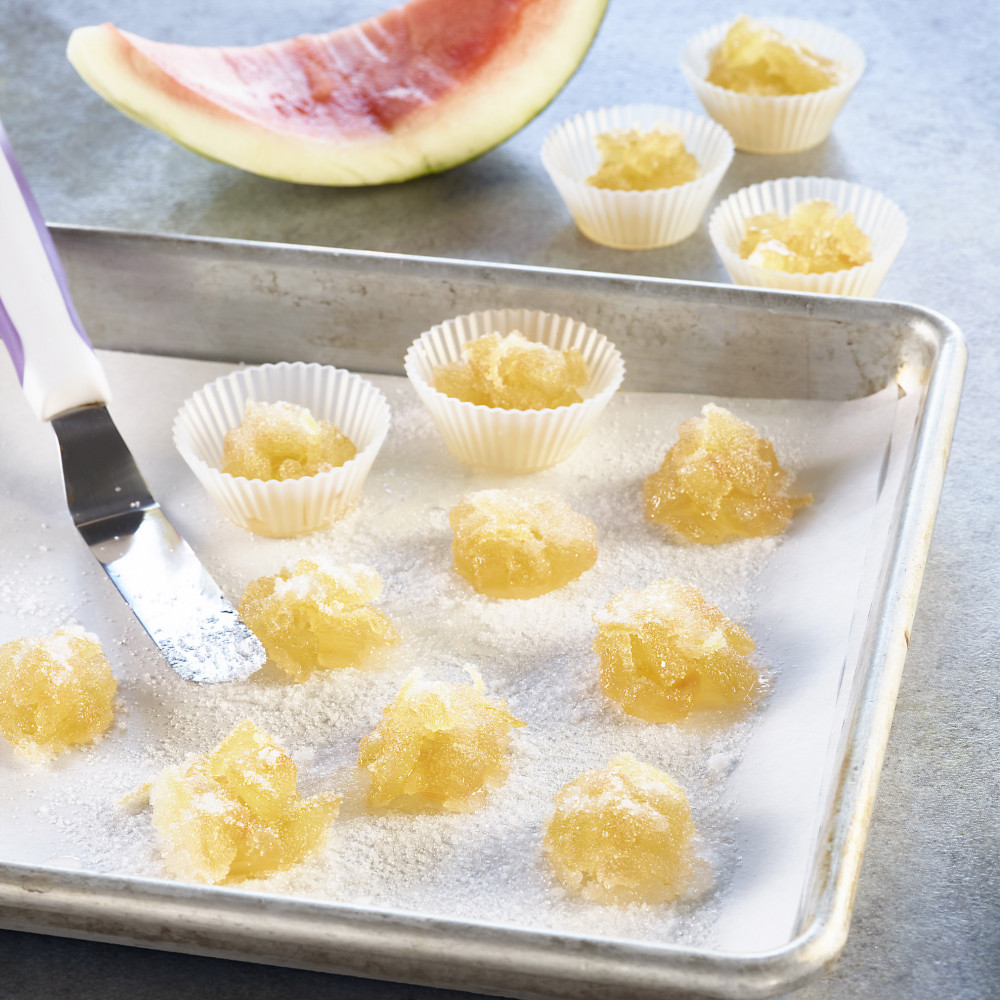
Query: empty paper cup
point(514, 440)
point(879, 218)
point(635, 220)
point(786, 124)
point(291, 506)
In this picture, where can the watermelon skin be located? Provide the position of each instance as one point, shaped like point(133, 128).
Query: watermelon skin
point(416, 90)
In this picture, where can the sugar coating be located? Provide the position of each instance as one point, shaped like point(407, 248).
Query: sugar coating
point(811, 239)
point(283, 441)
point(642, 161)
point(754, 58)
point(438, 745)
point(622, 834)
point(55, 692)
point(520, 543)
point(513, 373)
point(236, 812)
point(665, 651)
point(720, 481)
point(317, 617)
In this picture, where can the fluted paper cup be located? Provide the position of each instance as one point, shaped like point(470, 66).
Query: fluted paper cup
point(286, 507)
point(514, 440)
point(878, 217)
point(776, 124)
point(635, 220)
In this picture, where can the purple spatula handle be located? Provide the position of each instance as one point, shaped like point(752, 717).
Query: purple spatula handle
point(38, 324)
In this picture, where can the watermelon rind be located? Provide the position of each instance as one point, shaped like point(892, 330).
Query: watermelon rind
point(507, 91)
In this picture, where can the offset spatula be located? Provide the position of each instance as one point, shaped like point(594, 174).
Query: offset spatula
point(176, 601)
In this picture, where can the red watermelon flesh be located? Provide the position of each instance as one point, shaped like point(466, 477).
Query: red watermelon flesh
point(417, 89)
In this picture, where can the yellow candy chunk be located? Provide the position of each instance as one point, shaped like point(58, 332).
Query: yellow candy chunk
point(520, 543)
point(720, 481)
point(812, 239)
point(665, 651)
point(283, 441)
point(513, 373)
point(643, 161)
point(622, 834)
point(55, 691)
point(756, 59)
point(438, 746)
point(236, 812)
point(315, 617)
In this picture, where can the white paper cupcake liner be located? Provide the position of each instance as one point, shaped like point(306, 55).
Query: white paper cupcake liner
point(292, 506)
point(776, 124)
point(514, 440)
point(635, 220)
point(876, 216)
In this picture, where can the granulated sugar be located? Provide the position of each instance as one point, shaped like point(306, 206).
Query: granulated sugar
point(485, 866)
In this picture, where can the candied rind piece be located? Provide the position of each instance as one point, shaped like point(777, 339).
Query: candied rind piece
point(665, 651)
point(283, 441)
point(755, 58)
point(513, 373)
point(720, 481)
point(317, 617)
point(438, 746)
point(811, 239)
point(236, 812)
point(520, 543)
point(55, 692)
point(622, 834)
point(635, 160)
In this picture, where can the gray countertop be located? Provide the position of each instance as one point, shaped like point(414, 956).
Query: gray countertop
point(923, 127)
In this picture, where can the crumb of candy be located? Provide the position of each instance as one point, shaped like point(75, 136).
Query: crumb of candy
point(513, 373)
point(665, 651)
point(283, 441)
point(720, 481)
point(622, 834)
point(642, 161)
point(520, 543)
point(754, 58)
point(55, 692)
point(438, 744)
point(236, 812)
point(317, 617)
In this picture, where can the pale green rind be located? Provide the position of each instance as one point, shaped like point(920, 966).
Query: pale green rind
point(458, 127)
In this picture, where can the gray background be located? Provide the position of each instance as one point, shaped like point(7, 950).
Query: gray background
point(923, 127)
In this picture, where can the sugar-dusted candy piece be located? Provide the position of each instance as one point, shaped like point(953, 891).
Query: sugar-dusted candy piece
point(56, 691)
point(811, 239)
point(520, 543)
point(622, 834)
point(236, 812)
point(720, 481)
point(665, 651)
point(755, 58)
point(513, 373)
point(283, 441)
point(439, 746)
point(635, 160)
point(317, 617)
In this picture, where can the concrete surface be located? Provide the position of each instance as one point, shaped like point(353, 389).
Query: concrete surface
point(923, 127)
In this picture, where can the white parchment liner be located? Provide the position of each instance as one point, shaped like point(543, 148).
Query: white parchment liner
point(776, 124)
point(635, 220)
point(876, 216)
point(514, 440)
point(287, 507)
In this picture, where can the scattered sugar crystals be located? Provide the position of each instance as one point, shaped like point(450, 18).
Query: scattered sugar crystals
point(535, 655)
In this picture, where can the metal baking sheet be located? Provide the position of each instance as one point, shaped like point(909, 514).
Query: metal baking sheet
point(240, 302)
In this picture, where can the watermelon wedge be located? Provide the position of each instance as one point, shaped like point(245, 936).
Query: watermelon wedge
point(418, 89)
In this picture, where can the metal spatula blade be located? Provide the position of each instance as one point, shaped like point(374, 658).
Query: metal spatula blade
point(177, 602)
